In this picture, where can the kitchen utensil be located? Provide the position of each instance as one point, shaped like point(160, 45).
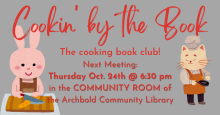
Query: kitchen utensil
point(203, 83)
point(32, 99)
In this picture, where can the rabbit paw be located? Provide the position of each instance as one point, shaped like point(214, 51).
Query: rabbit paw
point(35, 94)
point(17, 94)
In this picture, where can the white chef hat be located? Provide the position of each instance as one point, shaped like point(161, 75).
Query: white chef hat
point(192, 42)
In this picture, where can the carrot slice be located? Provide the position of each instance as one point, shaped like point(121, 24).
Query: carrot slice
point(24, 104)
point(38, 97)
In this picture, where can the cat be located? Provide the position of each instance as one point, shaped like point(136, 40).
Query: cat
point(193, 63)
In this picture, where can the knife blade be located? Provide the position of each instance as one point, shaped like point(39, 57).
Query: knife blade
point(32, 99)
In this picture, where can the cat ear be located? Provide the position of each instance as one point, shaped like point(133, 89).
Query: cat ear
point(184, 48)
point(202, 47)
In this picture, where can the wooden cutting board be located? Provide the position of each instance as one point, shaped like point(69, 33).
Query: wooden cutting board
point(13, 102)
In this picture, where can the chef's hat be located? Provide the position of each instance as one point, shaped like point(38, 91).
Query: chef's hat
point(192, 42)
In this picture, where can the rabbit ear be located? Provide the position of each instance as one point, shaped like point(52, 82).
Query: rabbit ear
point(19, 33)
point(34, 38)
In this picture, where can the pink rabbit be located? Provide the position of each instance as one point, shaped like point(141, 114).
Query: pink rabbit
point(27, 64)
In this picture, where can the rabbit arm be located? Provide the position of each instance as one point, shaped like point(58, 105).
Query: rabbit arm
point(16, 88)
point(15, 85)
point(40, 88)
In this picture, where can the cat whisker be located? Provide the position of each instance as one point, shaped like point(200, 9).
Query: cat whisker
point(203, 65)
point(180, 62)
point(205, 60)
point(202, 61)
point(179, 66)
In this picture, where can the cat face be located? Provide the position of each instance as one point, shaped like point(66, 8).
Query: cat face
point(193, 59)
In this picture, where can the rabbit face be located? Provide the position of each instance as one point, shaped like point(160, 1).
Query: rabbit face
point(27, 63)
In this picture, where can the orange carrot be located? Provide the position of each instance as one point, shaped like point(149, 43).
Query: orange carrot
point(24, 104)
point(38, 97)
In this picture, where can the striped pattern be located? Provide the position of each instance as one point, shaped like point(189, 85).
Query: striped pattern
point(13, 102)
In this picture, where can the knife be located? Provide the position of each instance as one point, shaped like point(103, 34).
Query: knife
point(31, 99)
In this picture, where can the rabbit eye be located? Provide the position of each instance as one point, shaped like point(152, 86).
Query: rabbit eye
point(22, 65)
point(34, 64)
